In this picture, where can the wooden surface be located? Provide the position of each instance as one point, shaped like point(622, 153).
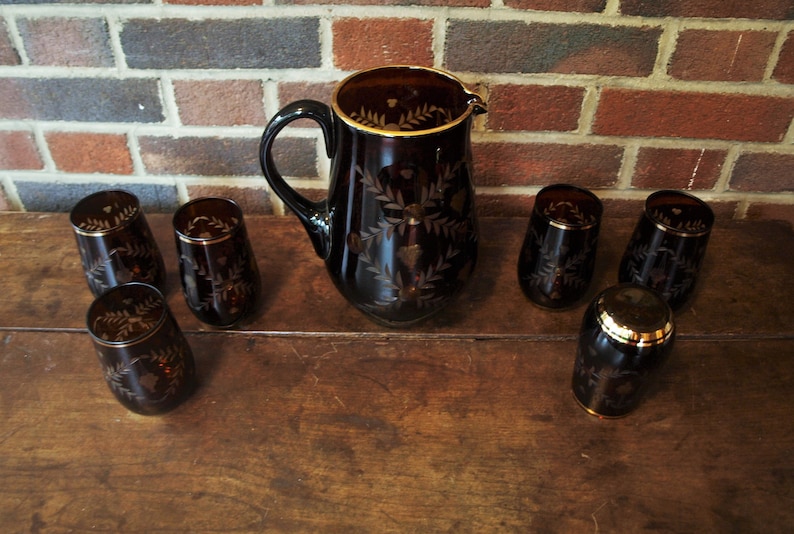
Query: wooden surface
point(310, 418)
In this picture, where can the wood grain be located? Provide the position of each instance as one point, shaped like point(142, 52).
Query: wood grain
point(744, 272)
point(345, 435)
point(310, 418)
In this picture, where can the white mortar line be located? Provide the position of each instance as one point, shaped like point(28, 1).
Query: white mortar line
point(588, 110)
point(168, 101)
point(326, 43)
point(10, 189)
point(774, 56)
point(612, 8)
point(789, 137)
point(16, 40)
point(138, 166)
point(114, 37)
point(627, 166)
point(667, 44)
point(43, 148)
point(439, 40)
point(181, 191)
point(726, 172)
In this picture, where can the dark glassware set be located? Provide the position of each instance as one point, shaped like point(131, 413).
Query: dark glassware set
point(146, 361)
point(220, 278)
point(557, 257)
point(398, 230)
point(628, 330)
point(399, 236)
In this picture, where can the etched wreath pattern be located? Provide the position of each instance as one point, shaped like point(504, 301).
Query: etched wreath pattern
point(686, 225)
point(558, 265)
point(423, 117)
point(116, 214)
point(568, 213)
point(168, 365)
point(413, 285)
point(105, 271)
point(607, 386)
point(226, 279)
point(134, 320)
point(673, 274)
point(211, 226)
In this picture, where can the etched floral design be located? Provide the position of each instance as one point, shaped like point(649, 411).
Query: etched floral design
point(159, 373)
point(422, 117)
point(134, 320)
point(419, 290)
point(568, 212)
point(425, 210)
point(209, 226)
point(672, 273)
point(607, 386)
point(124, 263)
point(416, 270)
point(671, 220)
point(116, 214)
point(558, 265)
point(226, 280)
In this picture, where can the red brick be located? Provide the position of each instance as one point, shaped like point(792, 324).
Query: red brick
point(18, 151)
point(226, 156)
point(200, 156)
point(738, 56)
point(771, 211)
point(784, 70)
point(222, 43)
point(8, 54)
point(76, 42)
point(220, 103)
point(215, 2)
point(579, 6)
point(292, 91)
point(628, 208)
point(83, 99)
point(495, 205)
point(762, 171)
point(534, 107)
point(252, 200)
point(624, 207)
point(515, 46)
point(442, 3)
point(517, 164)
point(363, 43)
point(674, 168)
point(90, 152)
point(755, 9)
point(693, 115)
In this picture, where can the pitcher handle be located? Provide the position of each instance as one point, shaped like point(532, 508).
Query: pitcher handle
point(313, 215)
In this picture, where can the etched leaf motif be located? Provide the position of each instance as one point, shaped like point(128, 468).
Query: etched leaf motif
point(207, 223)
point(116, 216)
point(120, 325)
point(411, 120)
point(115, 375)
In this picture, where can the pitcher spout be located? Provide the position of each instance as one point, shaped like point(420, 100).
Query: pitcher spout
point(476, 103)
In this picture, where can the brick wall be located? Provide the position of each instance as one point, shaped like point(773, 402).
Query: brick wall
point(169, 98)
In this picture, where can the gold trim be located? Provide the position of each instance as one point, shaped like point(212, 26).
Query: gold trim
point(595, 413)
point(563, 226)
point(674, 231)
point(143, 337)
point(347, 119)
point(625, 334)
point(204, 241)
